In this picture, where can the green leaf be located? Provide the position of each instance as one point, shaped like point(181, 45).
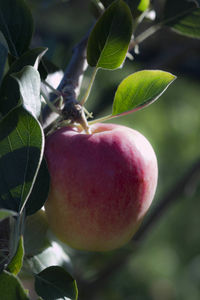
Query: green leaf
point(189, 25)
point(17, 261)
point(36, 226)
point(16, 24)
point(183, 17)
point(3, 41)
point(55, 283)
point(9, 92)
point(5, 213)
point(29, 85)
point(3, 56)
point(21, 150)
point(31, 57)
point(133, 4)
point(139, 90)
point(106, 3)
point(11, 288)
point(95, 8)
point(109, 40)
point(39, 191)
point(9, 95)
point(143, 5)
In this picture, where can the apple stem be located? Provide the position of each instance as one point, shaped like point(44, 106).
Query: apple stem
point(106, 118)
point(84, 123)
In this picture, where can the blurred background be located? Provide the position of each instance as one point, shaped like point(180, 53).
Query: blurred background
point(166, 265)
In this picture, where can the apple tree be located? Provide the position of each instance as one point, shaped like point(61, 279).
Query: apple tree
point(36, 100)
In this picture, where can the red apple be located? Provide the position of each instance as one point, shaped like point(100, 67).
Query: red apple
point(102, 184)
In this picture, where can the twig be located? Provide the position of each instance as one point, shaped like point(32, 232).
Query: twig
point(71, 81)
point(191, 178)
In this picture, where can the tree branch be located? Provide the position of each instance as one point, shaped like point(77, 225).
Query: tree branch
point(71, 81)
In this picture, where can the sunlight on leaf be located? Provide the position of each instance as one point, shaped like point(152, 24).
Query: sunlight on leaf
point(29, 85)
point(140, 89)
point(109, 40)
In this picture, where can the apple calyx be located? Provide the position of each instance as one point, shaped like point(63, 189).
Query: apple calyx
point(74, 112)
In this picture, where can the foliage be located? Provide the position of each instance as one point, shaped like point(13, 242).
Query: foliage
point(24, 97)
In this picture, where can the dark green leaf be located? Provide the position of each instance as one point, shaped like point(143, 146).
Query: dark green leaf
point(36, 226)
point(21, 149)
point(11, 288)
point(29, 85)
point(109, 40)
point(5, 213)
point(3, 58)
point(16, 24)
point(140, 89)
point(95, 8)
point(106, 3)
point(9, 93)
point(133, 4)
point(189, 25)
point(31, 57)
point(54, 283)
point(17, 261)
point(40, 190)
point(3, 41)
point(183, 17)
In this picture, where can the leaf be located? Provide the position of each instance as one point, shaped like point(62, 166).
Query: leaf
point(29, 84)
point(21, 150)
point(183, 17)
point(95, 8)
point(16, 24)
point(133, 4)
point(106, 3)
point(139, 90)
point(36, 226)
point(9, 92)
point(39, 191)
point(9, 95)
point(55, 283)
point(5, 213)
point(143, 5)
point(31, 57)
point(3, 41)
point(109, 40)
point(189, 25)
point(17, 261)
point(11, 288)
point(51, 256)
point(3, 56)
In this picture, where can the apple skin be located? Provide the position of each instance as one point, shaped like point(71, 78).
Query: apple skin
point(102, 184)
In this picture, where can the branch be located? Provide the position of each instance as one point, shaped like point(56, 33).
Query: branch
point(191, 179)
point(71, 81)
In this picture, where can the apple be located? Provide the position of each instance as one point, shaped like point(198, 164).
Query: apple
point(102, 185)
